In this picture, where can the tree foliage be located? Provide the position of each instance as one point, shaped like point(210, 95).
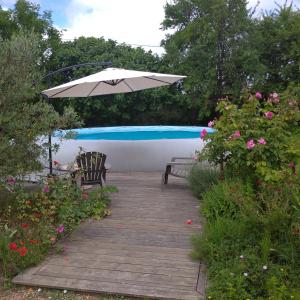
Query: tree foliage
point(278, 48)
point(222, 46)
point(22, 121)
point(212, 45)
point(225, 48)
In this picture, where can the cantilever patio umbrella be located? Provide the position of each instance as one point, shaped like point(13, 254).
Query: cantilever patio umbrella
point(109, 81)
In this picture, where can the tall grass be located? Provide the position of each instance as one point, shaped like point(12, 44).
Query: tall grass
point(201, 178)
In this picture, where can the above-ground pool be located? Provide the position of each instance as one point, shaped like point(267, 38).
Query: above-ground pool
point(132, 148)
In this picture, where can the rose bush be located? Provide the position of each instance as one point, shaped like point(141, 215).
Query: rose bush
point(256, 137)
point(251, 238)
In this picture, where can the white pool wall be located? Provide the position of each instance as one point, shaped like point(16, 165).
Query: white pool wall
point(127, 156)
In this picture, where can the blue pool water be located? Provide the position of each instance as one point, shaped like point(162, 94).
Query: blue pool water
point(138, 132)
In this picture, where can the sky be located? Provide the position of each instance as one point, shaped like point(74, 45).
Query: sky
point(134, 22)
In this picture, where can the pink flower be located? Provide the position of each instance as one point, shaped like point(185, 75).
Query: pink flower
point(269, 115)
point(188, 222)
point(292, 165)
point(236, 134)
point(46, 189)
point(275, 97)
point(211, 124)
point(258, 95)
point(11, 181)
point(250, 144)
point(60, 229)
point(203, 133)
point(262, 141)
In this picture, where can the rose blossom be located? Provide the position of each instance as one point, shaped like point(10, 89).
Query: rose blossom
point(269, 115)
point(203, 133)
point(262, 141)
point(258, 95)
point(236, 134)
point(250, 144)
point(211, 124)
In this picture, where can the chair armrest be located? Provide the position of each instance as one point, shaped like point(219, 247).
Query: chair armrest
point(181, 163)
point(173, 159)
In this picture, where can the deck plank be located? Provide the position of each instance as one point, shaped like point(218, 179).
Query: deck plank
point(141, 250)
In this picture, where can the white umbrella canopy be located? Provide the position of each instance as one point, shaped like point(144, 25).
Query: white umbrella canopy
point(111, 81)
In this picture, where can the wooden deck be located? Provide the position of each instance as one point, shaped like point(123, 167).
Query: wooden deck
point(141, 250)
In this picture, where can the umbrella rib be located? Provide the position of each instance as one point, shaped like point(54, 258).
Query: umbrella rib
point(129, 86)
point(94, 88)
point(69, 87)
point(158, 80)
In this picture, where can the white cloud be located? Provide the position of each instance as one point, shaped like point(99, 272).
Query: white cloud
point(131, 21)
point(128, 21)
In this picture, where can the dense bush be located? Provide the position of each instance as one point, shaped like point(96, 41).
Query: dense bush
point(32, 222)
point(251, 237)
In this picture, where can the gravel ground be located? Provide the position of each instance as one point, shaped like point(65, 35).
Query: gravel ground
point(22, 293)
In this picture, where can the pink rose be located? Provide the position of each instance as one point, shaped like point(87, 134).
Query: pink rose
point(46, 189)
point(211, 124)
point(275, 97)
point(203, 133)
point(262, 141)
point(11, 181)
point(250, 144)
point(269, 115)
point(236, 134)
point(258, 95)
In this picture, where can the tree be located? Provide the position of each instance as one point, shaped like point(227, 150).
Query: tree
point(26, 16)
point(212, 45)
point(22, 120)
point(278, 45)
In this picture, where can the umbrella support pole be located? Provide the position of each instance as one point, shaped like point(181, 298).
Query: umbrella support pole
point(50, 154)
point(48, 77)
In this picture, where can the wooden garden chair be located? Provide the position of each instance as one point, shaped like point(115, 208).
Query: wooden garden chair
point(91, 168)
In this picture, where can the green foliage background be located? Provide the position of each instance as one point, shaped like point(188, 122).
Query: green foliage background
point(222, 46)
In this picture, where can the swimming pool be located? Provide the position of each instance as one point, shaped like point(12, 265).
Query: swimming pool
point(133, 148)
point(138, 133)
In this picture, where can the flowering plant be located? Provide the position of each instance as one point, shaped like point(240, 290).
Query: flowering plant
point(256, 139)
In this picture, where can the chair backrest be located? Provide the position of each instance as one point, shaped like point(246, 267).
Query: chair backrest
point(91, 165)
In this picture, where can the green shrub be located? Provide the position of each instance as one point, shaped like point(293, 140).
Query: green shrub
point(201, 179)
point(227, 198)
point(251, 239)
point(33, 221)
point(246, 262)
